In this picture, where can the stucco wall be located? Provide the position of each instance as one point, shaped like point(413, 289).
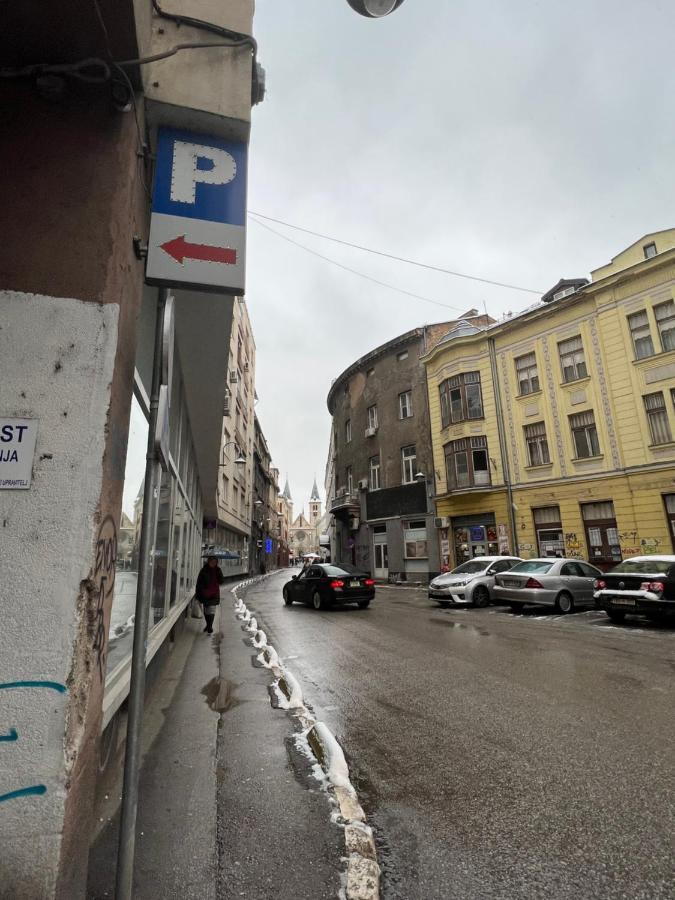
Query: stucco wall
point(61, 378)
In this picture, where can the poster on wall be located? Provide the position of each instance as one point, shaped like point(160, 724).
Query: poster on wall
point(17, 448)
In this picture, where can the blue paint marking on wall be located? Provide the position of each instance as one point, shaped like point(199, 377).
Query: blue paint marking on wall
point(268, 545)
point(10, 736)
point(35, 790)
point(213, 202)
point(49, 685)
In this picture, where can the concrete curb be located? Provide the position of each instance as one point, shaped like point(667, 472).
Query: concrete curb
point(363, 871)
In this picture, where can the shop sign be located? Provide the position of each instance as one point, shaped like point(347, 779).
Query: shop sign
point(268, 545)
point(17, 448)
point(477, 533)
point(198, 223)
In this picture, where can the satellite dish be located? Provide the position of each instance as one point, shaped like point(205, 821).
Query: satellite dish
point(374, 9)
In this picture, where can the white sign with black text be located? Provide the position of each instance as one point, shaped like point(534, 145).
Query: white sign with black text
point(17, 448)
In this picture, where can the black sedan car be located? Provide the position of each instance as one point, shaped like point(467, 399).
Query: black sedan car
point(642, 585)
point(323, 584)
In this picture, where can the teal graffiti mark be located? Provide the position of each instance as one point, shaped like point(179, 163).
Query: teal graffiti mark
point(10, 736)
point(34, 790)
point(49, 685)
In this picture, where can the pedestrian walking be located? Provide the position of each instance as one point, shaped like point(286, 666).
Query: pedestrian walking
point(208, 590)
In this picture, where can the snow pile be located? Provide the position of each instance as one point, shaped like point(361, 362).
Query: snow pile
point(291, 690)
point(252, 623)
point(330, 754)
point(269, 657)
point(260, 639)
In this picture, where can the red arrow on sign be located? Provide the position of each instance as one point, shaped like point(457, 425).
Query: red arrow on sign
point(180, 249)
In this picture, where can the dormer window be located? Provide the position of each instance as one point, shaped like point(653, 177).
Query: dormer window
point(564, 293)
point(649, 250)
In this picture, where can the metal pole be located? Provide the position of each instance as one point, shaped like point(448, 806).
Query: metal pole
point(127, 835)
point(501, 431)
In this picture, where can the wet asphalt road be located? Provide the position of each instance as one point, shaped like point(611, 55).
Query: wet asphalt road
point(497, 756)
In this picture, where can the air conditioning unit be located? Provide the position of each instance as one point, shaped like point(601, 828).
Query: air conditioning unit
point(371, 432)
point(363, 484)
point(234, 378)
point(226, 406)
point(442, 522)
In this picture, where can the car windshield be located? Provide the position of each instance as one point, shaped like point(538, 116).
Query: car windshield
point(643, 567)
point(532, 565)
point(471, 567)
point(344, 569)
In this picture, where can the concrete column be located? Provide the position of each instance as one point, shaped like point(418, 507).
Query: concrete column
point(70, 290)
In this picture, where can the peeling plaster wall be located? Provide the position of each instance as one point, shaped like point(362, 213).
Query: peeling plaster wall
point(58, 356)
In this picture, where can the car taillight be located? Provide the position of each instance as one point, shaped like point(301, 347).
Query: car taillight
point(369, 582)
point(337, 584)
point(599, 584)
point(656, 587)
point(533, 583)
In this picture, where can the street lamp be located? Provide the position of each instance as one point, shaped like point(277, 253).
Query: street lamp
point(239, 461)
point(374, 9)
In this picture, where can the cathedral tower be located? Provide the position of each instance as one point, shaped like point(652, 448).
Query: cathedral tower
point(314, 505)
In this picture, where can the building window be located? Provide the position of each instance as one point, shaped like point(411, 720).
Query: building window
point(584, 435)
point(461, 398)
point(350, 480)
point(665, 322)
point(372, 417)
point(547, 524)
point(408, 460)
point(374, 473)
point(526, 372)
point(348, 431)
point(537, 444)
point(641, 334)
point(572, 361)
point(669, 500)
point(405, 405)
point(370, 372)
point(649, 250)
point(657, 416)
point(602, 534)
point(467, 463)
point(401, 356)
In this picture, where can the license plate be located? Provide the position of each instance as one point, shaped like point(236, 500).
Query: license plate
point(623, 601)
point(355, 583)
point(511, 582)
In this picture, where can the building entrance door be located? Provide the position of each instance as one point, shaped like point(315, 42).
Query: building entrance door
point(381, 558)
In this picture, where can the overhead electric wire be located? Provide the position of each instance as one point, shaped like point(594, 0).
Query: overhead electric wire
point(340, 265)
point(403, 259)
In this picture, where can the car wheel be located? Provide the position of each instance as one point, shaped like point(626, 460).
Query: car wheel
point(564, 603)
point(288, 600)
point(616, 615)
point(516, 607)
point(364, 604)
point(481, 597)
point(317, 600)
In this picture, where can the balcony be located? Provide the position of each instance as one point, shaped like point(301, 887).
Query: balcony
point(345, 502)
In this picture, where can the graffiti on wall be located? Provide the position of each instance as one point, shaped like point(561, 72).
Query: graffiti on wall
point(573, 546)
point(12, 736)
point(104, 581)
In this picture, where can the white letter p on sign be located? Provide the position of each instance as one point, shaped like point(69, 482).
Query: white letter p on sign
point(221, 168)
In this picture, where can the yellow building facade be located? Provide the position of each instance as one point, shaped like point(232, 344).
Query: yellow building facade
point(553, 431)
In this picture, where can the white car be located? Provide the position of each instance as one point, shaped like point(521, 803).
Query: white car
point(472, 583)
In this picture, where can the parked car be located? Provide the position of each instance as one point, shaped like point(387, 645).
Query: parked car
point(641, 585)
point(325, 583)
point(565, 584)
point(472, 582)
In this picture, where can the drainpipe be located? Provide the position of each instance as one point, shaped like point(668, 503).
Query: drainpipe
point(502, 445)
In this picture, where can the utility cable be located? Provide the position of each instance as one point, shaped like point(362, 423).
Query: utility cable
point(340, 265)
point(411, 262)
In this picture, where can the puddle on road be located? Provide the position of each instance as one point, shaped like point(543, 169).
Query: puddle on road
point(219, 694)
point(461, 626)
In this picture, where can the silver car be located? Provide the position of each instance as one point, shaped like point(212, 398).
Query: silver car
point(563, 583)
point(472, 583)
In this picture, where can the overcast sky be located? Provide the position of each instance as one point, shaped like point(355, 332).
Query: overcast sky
point(520, 141)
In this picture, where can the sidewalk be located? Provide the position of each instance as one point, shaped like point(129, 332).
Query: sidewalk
point(227, 806)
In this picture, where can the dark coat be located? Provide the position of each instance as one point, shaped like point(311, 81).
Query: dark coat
point(207, 589)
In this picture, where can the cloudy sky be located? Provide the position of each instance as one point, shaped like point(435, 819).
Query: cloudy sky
point(519, 141)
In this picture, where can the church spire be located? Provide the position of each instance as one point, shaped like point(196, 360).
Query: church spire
point(287, 491)
point(315, 491)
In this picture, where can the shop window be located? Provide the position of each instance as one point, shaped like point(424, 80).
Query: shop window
point(527, 374)
point(665, 322)
point(584, 435)
point(537, 444)
point(415, 540)
point(467, 463)
point(461, 398)
point(408, 461)
point(405, 405)
point(641, 334)
point(602, 535)
point(374, 473)
point(572, 359)
point(161, 581)
point(548, 527)
point(669, 502)
point(657, 417)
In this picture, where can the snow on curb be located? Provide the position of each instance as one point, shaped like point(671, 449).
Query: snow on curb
point(363, 872)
